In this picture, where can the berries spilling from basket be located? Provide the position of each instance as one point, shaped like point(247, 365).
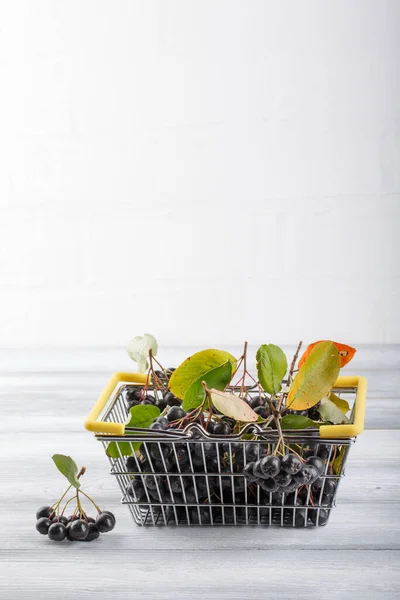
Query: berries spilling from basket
point(78, 526)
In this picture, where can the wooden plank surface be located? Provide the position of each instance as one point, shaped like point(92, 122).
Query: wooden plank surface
point(355, 556)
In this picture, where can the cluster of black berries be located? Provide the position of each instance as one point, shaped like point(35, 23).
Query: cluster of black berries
point(73, 528)
point(285, 474)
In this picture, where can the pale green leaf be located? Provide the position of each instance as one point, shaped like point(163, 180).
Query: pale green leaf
point(233, 406)
point(330, 412)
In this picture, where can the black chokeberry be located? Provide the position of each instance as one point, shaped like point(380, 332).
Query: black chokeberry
point(93, 533)
point(314, 473)
point(291, 463)
point(57, 532)
point(110, 514)
point(255, 401)
point(134, 393)
point(175, 413)
point(323, 451)
point(157, 426)
point(43, 524)
point(60, 519)
point(269, 485)
point(149, 399)
point(318, 519)
point(317, 462)
point(105, 522)
point(163, 421)
point(78, 530)
point(283, 479)
point(44, 511)
point(171, 400)
point(257, 470)
point(248, 472)
point(160, 405)
point(261, 411)
point(270, 466)
point(222, 428)
point(303, 476)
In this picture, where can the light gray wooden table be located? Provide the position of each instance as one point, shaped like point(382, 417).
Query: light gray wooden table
point(44, 399)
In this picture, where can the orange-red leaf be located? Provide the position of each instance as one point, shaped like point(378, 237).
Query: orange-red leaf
point(346, 352)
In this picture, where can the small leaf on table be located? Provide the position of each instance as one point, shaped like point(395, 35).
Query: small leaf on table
point(67, 466)
point(233, 406)
point(271, 367)
point(217, 378)
point(141, 416)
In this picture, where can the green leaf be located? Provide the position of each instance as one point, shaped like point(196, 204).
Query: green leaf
point(340, 403)
point(330, 412)
point(233, 406)
point(141, 416)
point(195, 367)
point(67, 466)
point(217, 378)
point(315, 378)
point(298, 422)
point(271, 367)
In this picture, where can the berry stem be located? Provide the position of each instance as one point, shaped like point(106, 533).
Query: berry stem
point(92, 501)
point(66, 504)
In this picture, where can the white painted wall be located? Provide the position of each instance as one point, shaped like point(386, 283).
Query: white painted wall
point(207, 171)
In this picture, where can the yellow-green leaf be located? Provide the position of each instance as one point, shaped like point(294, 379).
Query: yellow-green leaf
point(233, 406)
point(217, 378)
point(315, 378)
point(271, 367)
point(340, 403)
point(195, 367)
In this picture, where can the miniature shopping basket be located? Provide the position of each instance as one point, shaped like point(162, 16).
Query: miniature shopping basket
point(214, 491)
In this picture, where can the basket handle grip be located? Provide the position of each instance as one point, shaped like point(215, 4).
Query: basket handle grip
point(355, 428)
point(91, 422)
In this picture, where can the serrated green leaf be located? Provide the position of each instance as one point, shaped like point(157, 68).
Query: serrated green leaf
point(298, 422)
point(67, 466)
point(330, 412)
point(315, 378)
point(271, 367)
point(233, 406)
point(141, 416)
point(340, 403)
point(217, 378)
point(194, 367)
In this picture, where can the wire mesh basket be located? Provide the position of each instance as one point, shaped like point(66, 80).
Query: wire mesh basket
point(191, 477)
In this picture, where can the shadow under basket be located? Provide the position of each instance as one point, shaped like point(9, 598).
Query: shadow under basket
point(189, 477)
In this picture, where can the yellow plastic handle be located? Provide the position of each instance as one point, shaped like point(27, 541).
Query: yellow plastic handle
point(355, 428)
point(91, 423)
point(326, 431)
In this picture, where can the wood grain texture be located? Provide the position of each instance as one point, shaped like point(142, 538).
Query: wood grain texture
point(355, 556)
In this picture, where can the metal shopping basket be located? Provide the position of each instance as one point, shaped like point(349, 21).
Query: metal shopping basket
point(190, 477)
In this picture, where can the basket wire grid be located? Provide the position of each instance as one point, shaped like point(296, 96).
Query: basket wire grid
point(190, 477)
